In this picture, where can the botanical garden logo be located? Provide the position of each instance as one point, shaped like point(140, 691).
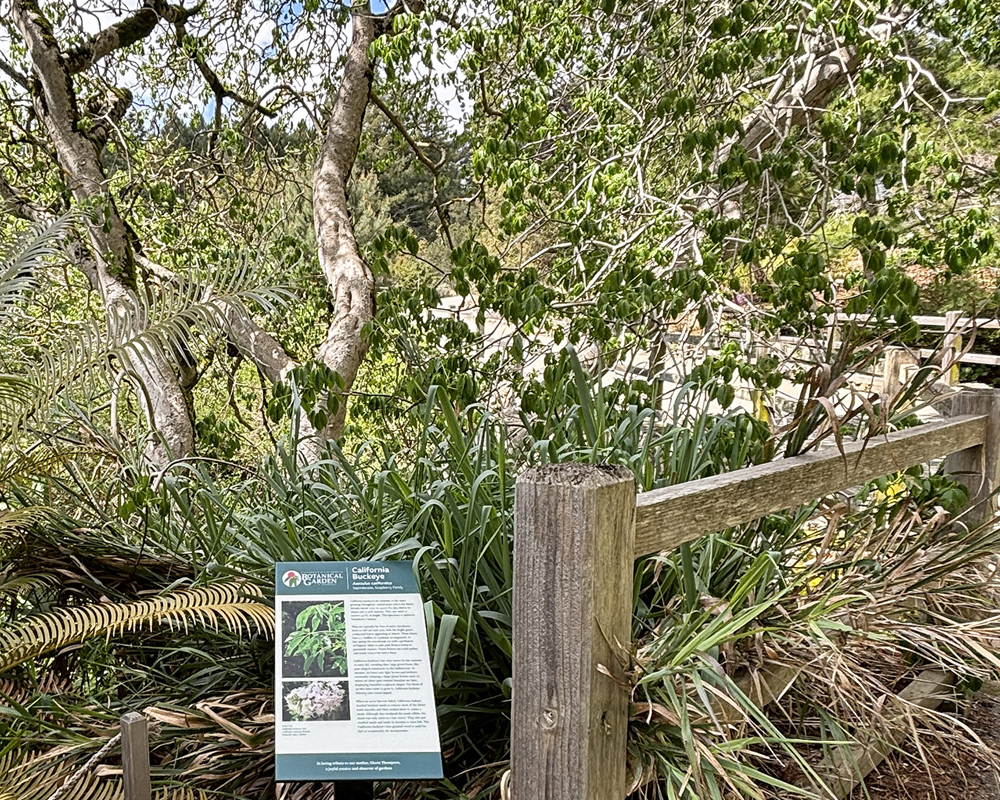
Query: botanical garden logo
point(293, 578)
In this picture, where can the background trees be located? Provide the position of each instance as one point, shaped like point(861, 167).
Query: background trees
point(624, 165)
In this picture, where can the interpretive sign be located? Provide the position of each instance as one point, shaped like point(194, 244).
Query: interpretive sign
point(353, 694)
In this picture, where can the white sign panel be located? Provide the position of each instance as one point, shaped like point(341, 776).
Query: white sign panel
point(353, 692)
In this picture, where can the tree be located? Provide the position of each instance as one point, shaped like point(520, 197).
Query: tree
point(706, 147)
point(622, 165)
point(79, 130)
point(638, 162)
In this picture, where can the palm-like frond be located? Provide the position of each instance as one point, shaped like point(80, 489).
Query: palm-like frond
point(32, 465)
point(37, 775)
point(68, 561)
point(16, 392)
point(20, 264)
point(22, 585)
point(231, 604)
point(20, 689)
point(22, 518)
point(136, 331)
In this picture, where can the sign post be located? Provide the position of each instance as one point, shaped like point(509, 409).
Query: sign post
point(354, 790)
point(354, 701)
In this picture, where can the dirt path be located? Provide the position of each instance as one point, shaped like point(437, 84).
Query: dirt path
point(951, 771)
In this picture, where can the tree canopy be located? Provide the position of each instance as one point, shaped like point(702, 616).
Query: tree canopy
point(595, 169)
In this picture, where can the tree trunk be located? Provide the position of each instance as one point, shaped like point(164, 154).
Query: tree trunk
point(112, 269)
point(824, 67)
point(348, 277)
point(114, 272)
point(799, 95)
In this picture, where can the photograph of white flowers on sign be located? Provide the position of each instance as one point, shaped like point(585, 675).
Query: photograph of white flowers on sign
point(314, 648)
point(314, 701)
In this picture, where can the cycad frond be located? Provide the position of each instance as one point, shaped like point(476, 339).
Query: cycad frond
point(42, 462)
point(229, 604)
point(22, 585)
point(15, 393)
point(19, 265)
point(38, 775)
point(22, 518)
point(165, 325)
point(136, 330)
point(20, 689)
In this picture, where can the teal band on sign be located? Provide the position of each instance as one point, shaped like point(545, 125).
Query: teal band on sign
point(357, 767)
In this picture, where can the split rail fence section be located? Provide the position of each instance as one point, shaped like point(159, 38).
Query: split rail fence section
point(578, 530)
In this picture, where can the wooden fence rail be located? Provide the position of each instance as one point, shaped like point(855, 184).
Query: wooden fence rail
point(578, 530)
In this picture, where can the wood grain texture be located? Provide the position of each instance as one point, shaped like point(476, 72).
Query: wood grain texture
point(573, 543)
point(896, 358)
point(668, 517)
point(951, 347)
point(978, 467)
point(135, 757)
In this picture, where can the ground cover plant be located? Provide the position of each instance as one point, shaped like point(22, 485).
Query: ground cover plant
point(836, 600)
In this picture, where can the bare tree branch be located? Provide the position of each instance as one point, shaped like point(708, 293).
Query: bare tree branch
point(348, 277)
point(418, 151)
point(397, 123)
point(191, 47)
point(13, 74)
point(106, 112)
point(19, 206)
point(128, 31)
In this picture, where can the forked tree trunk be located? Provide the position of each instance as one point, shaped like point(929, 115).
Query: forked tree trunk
point(112, 269)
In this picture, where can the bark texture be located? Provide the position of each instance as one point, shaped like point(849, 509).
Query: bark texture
point(799, 95)
point(132, 29)
point(348, 277)
point(114, 273)
point(802, 93)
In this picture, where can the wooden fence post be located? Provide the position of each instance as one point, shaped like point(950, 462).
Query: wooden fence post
point(978, 467)
point(896, 359)
point(574, 545)
point(951, 347)
point(135, 757)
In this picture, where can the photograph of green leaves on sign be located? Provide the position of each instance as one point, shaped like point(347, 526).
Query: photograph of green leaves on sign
point(315, 640)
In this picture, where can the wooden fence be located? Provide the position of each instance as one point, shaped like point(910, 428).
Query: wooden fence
point(578, 530)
